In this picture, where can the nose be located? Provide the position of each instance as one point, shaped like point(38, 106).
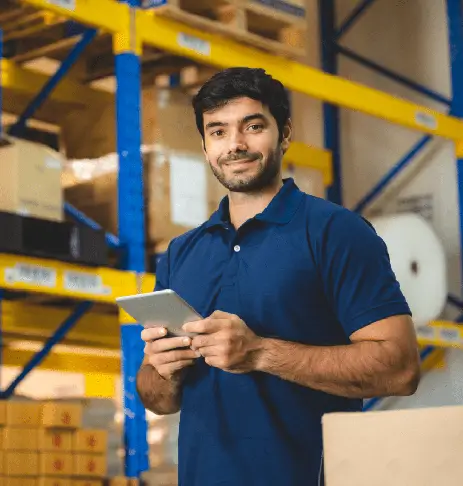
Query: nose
point(237, 142)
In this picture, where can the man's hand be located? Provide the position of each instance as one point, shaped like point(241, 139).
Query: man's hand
point(225, 342)
point(163, 354)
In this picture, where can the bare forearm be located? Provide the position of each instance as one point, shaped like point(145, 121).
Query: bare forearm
point(360, 370)
point(157, 394)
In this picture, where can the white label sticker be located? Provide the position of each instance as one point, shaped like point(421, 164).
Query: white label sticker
point(194, 43)
point(83, 282)
point(69, 4)
point(52, 163)
point(426, 332)
point(188, 190)
point(450, 335)
point(31, 274)
point(426, 120)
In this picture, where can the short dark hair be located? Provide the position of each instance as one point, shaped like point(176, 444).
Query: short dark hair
point(239, 82)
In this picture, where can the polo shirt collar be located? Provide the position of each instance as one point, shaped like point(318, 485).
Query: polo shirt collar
point(280, 210)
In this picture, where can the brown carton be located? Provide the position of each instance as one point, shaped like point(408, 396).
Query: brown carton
point(90, 465)
point(61, 415)
point(394, 447)
point(19, 439)
point(54, 482)
point(19, 482)
point(55, 440)
point(30, 180)
point(87, 482)
point(3, 412)
point(118, 481)
point(90, 440)
point(20, 463)
point(23, 414)
point(56, 464)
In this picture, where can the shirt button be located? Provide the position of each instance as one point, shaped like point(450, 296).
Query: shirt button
point(237, 248)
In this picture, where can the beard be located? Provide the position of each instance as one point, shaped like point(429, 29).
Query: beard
point(264, 177)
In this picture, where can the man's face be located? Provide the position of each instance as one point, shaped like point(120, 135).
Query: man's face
point(242, 145)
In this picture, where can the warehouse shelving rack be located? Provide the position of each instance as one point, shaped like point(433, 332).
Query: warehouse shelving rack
point(437, 334)
point(133, 27)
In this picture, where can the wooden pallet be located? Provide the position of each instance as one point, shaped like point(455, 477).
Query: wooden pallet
point(275, 26)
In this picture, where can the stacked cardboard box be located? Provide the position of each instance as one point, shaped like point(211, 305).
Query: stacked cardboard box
point(30, 179)
point(43, 444)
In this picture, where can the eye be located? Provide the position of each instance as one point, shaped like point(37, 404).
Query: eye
point(255, 127)
point(217, 133)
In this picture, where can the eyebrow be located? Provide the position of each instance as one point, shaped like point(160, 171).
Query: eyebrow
point(247, 118)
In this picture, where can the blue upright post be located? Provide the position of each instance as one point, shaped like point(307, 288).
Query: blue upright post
point(131, 234)
point(455, 33)
point(331, 112)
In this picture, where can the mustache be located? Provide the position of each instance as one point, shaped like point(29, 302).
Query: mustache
point(240, 156)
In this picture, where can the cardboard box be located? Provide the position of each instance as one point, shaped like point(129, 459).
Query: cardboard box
point(394, 447)
point(20, 463)
point(19, 439)
point(3, 412)
point(56, 464)
point(23, 414)
point(90, 440)
point(54, 482)
point(19, 482)
point(118, 481)
point(90, 465)
point(122, 481)
point(181, 193)
point(55, 440)
point(87, 482)
point(61, 415)
point(30, 179)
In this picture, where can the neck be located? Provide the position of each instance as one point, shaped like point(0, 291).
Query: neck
point(245, 205)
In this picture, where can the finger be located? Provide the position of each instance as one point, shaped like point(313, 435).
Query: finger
point(210, 351)
point(204, 340)
point(170, 368)
point(218, 314)
point(205, 326)
point(152, 333)
point(166, 344)
point(215, 361)
point(172, 356)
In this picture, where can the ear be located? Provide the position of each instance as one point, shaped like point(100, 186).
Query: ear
point(287, 135)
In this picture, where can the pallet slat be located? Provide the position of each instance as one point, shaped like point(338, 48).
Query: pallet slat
point(272, 25)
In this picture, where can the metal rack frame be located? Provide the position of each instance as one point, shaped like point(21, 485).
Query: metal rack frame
point(331, 49)
point(131, 28)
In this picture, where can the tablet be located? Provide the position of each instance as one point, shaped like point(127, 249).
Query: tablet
point(164, 307)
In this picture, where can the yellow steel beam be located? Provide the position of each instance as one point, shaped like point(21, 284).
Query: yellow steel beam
point(26, 81)
point(100, 385)
point(108, 15)
point(221, 52)
point(64, 361)
point(39, 322)
point(62, 279)
point(435, 360)
point(304, 155)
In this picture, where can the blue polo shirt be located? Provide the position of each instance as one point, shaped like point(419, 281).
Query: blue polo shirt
point(303, 270)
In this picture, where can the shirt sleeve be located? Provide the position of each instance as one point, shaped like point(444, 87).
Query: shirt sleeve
point(358, 279)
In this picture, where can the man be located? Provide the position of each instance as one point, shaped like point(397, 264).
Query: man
point(305, 315)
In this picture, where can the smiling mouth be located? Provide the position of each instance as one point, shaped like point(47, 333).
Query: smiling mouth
point(241, 161)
